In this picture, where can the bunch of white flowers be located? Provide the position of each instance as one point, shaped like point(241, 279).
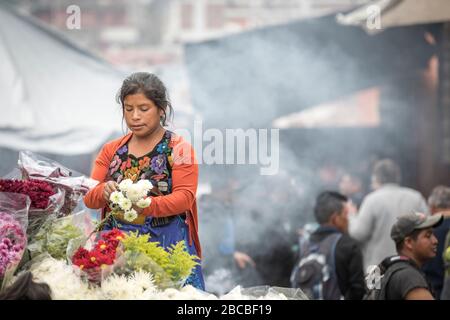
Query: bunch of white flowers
point(130, 194)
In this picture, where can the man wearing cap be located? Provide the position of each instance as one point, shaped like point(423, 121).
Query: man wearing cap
point(416, 244)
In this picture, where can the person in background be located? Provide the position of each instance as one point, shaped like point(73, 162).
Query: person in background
point(351, 186)
point(343, 255)
point(439, 203)
point(415, 244)
point(379, 210)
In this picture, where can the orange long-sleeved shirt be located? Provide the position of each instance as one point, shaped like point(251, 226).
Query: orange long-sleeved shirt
point(184, 184)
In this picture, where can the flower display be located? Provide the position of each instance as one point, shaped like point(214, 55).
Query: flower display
point(54, 237)
point(13, 242)
point(38, 191)
point(139, 285)
point(128, 195)
point(70, 184)
point(102, 254)
point(171, 267)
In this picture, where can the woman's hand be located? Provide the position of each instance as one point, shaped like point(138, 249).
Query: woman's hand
point(138, 210)
point(110, 187)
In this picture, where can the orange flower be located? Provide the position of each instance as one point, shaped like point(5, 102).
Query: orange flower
point(144, 163)
point(132, 173)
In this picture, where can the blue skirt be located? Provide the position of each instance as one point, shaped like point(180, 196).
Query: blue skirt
point(172, 233)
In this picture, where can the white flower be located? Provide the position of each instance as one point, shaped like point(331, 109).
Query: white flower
point(124, 185)
point(144, 203)
point(142, 279)
point(125, 204)
point(117, 287)
point(130, 215)
point(145, 185)
point(134, 193)
point(116, 196)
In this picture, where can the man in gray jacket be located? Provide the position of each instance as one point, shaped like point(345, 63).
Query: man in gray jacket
point(371, 226)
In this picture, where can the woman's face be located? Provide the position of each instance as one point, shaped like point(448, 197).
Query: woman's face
point(141, 114)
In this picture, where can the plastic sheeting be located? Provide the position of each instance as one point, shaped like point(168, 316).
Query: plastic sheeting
point(56, 98)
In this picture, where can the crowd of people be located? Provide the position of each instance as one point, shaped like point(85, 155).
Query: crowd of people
point(389, 243)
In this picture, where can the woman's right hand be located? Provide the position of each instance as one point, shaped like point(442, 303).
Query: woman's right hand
point(110, 187)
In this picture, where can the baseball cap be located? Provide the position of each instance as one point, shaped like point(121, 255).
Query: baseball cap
point(407, 223)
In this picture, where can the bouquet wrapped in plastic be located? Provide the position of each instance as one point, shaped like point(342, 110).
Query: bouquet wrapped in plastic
point(170, 268)
point(13, 240)
point(58, 236)
point(74, 184)
point(96, 263)
point(45, 200)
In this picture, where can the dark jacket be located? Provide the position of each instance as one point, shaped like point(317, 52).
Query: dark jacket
point(349, 263)
point(434, 269)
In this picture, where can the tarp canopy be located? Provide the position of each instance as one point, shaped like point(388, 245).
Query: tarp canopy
point(250, 79)
point(393, 13)
point(56, 98)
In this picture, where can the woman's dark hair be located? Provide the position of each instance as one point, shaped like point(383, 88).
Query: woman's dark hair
point(24, 288)
point(152, 87)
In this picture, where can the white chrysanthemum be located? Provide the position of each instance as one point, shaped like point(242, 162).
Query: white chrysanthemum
point(144, 203)
point(143, 280)
point(134, 193)
point(130, 215)
point(125, 204)
point(118, 287)
point(62, 280)
point(116, 197)
point(145, 185)
point(124, 185)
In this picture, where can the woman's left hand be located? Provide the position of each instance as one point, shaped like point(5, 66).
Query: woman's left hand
point(138, 210)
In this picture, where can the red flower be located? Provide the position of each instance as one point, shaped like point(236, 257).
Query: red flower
point(38, 191)
point(104, 253)
point(113, 237)
point(81, 257)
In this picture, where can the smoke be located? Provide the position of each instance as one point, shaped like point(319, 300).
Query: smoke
point(248, 80)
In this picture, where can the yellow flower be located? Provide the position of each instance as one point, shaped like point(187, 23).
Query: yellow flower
point(103, 246)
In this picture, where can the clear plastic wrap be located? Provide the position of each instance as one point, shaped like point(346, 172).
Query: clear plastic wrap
point(13, 241)
point(265, 293)
point(74, 184)
point(94, 260)
point(131, 261)
point(58, 236)
point(45, 200)
point(170, 267)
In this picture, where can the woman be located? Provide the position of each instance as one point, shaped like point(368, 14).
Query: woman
point(151, 152)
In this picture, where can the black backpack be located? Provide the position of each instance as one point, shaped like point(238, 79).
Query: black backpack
point(315, 272)
point(378, 278)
